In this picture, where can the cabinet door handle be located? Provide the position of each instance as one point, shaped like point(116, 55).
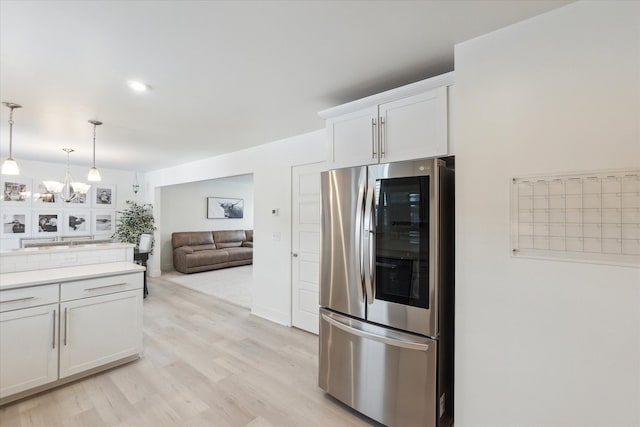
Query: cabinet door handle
point(53, 341)
point(373, 138)
point(104, 286)
point(66, 324)
point(17, 299)
point(383, 137)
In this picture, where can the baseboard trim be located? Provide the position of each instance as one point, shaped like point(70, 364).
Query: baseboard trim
point(272, 315)
point(62, 381)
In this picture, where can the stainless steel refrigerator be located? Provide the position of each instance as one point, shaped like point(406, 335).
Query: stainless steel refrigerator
point(387, 290)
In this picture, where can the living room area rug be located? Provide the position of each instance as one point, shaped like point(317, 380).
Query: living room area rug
point(231, 284)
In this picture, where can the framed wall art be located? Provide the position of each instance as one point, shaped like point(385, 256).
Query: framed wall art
point(15, 191)
point(224, 208)
point(104, 196)
point(16, 223)
point(103, 222)
point(76, 222)
point(78, 200)
point(47, 223)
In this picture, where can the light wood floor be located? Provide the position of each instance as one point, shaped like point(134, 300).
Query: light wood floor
point(205, 363)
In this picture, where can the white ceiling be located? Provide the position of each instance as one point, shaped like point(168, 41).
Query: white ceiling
point(226, 75)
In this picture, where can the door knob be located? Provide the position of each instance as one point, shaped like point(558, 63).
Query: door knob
point(293, 254)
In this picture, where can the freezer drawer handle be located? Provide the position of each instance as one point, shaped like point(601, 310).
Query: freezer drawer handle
point(374, 337)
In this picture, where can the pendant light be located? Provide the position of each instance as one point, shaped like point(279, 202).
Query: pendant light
point(9, 166)
point(67, 189)
point(94, 175)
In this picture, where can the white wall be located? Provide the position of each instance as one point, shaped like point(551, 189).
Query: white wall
point(185, 209)
point(39, 171)
point(544, 343)
point(270, 165)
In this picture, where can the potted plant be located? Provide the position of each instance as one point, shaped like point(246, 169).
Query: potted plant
point(135, 220)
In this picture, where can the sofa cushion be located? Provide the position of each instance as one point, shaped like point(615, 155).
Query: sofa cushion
point(191, 238)
point(247, 244)
point(201, 258)
point(249, 234)
point(238, 254)
point(203, 247)
point(229, 238)
point(182, 250)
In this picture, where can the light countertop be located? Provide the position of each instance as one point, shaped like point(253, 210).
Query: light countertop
point(65, 274)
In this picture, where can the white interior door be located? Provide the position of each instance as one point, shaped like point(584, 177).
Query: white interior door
point(305, 246)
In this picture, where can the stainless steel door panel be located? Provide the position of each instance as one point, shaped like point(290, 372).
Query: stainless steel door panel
point(387, 375)
point(413, 319)
point(341, 257)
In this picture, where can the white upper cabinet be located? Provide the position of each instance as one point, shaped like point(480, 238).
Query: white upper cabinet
point(414, 127)
point(407, 123)
point(354, 138)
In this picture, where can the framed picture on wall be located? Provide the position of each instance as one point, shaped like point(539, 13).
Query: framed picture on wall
point(224, 208)
point(16, 192)
point(79, 200)
point(16, 223)
point(47, 223)
point(103, 222)
point(76, 222)
point(104, 196)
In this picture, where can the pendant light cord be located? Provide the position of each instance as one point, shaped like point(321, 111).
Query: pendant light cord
point(94, 144)
point(11, 131)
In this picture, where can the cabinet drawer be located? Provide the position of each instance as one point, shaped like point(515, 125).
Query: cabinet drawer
point(100, 286)
point(14, 299)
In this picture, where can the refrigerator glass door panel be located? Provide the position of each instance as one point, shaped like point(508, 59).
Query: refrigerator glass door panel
point(387, 375)
point(401, 234)
point(341, 258)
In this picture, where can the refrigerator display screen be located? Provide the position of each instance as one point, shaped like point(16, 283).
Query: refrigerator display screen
point(402, 240)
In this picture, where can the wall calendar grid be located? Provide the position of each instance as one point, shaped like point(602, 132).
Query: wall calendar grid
point(593, 217)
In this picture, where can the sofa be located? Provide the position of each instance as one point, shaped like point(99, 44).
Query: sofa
point(195, 251)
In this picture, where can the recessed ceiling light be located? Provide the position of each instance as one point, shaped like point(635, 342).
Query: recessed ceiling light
point(138, 86)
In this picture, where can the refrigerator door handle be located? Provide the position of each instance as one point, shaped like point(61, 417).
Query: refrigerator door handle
point(374, 337)
point(359, 241)
point(370, 224)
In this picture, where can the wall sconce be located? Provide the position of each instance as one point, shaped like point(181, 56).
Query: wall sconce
point(136, 186)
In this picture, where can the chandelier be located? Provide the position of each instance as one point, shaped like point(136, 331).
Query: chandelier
point(67, 189)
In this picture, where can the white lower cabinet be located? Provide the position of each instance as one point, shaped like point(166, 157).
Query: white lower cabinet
point(28, 348)
point(99, 330)
point(53, 331)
